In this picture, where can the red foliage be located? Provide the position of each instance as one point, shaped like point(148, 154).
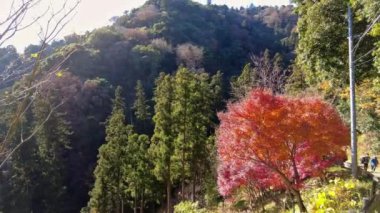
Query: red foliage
point(277, 141)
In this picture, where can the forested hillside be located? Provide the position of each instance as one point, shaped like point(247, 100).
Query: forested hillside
point(154, 138)
point(183, 107)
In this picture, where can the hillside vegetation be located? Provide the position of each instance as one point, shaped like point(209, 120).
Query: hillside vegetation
point(182, 107)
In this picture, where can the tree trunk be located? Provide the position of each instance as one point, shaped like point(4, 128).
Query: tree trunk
point(135, 204)
point(193, 187)
point(183, 176)
point(122, 206)
point(183, 152)
point(298, 197)
point(168, 193)
point(142, 203)
point(290, 187)
point(295, 170)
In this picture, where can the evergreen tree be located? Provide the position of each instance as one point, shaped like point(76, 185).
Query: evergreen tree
point(108, 193)
point(193, 115)
point(53, 144)
point(183, 110)
point(161, 149)
point(137, 171)
point(201, 128)
point(216, 85)
point(242, 84)
point(140, 105)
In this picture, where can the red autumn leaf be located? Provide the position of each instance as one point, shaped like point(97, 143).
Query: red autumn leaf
point(277, 141)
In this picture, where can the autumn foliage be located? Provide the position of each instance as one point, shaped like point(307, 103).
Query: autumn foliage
point(275, 141)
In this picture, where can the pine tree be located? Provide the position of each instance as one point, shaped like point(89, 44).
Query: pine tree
point(242, 84)
point(216, 85)
point(53, 144)
point(161, 149)
point(193, 115)
point(108, 193)
point(183, 110)
point(137, 171)
point(140, 105)
point(201, 121)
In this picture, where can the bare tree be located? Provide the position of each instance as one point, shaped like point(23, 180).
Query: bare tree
point(269, 73)
point(263, 72)
point(190, 55)
point(15, 20)
point(33, 76)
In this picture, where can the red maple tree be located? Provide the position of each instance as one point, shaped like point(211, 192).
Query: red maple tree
point(278, 142)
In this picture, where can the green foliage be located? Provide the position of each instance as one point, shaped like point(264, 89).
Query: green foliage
point(163, 137)
point(188, 207)
point(322, 58)
point(183, 116)
point(140, 105)
point(8, 55)
point(109, 189)
point(161, 148)
point(337, 196)
point(192, 114)
point(243, 83)
point(137, 169)
point(322, 48)
point(103, 38)
point(55, 168)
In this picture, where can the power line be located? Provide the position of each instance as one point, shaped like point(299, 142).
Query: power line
point(366, 54)
point(366, 31)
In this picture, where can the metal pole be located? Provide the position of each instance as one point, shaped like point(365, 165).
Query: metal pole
point(354, 151)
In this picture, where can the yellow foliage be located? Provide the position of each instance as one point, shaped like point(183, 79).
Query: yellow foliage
point(59, 74)
point(34, 55)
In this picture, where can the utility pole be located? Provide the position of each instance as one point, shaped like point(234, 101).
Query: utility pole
point(354, 150)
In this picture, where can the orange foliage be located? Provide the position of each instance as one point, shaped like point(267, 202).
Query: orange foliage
point(288, 139)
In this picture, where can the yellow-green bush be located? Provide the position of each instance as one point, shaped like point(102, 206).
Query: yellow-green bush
point(188, 207)
point(337, 196)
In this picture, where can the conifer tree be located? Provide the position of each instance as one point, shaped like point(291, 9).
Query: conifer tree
point(140, 105)
point(216, 85)
point(192, 114)
point(201, 121)
point(108, 193)
point(183, 109)
point(53, 144)
point(137, 171)
point(161, 149)
point(242, 84)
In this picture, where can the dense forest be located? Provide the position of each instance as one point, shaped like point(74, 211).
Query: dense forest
point(149, 113)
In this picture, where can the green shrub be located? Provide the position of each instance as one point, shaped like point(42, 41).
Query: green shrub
point(337, 196)
point(188, 207)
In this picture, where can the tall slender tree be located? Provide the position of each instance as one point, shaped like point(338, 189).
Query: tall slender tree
point(140, 105)
point(183, 110)
point(161, 149)
point(193, 117)
point(137, 171)
point(108, 193)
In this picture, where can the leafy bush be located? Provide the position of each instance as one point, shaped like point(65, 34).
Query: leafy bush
point(188, 207)
point(337, 196)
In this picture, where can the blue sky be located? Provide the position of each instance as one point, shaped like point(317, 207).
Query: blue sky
point(95, 13)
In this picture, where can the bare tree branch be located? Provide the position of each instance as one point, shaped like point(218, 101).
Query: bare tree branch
point(268, 75)
point(25, 97)
point(13, 23)
point(51, 71)
point(34, 132)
